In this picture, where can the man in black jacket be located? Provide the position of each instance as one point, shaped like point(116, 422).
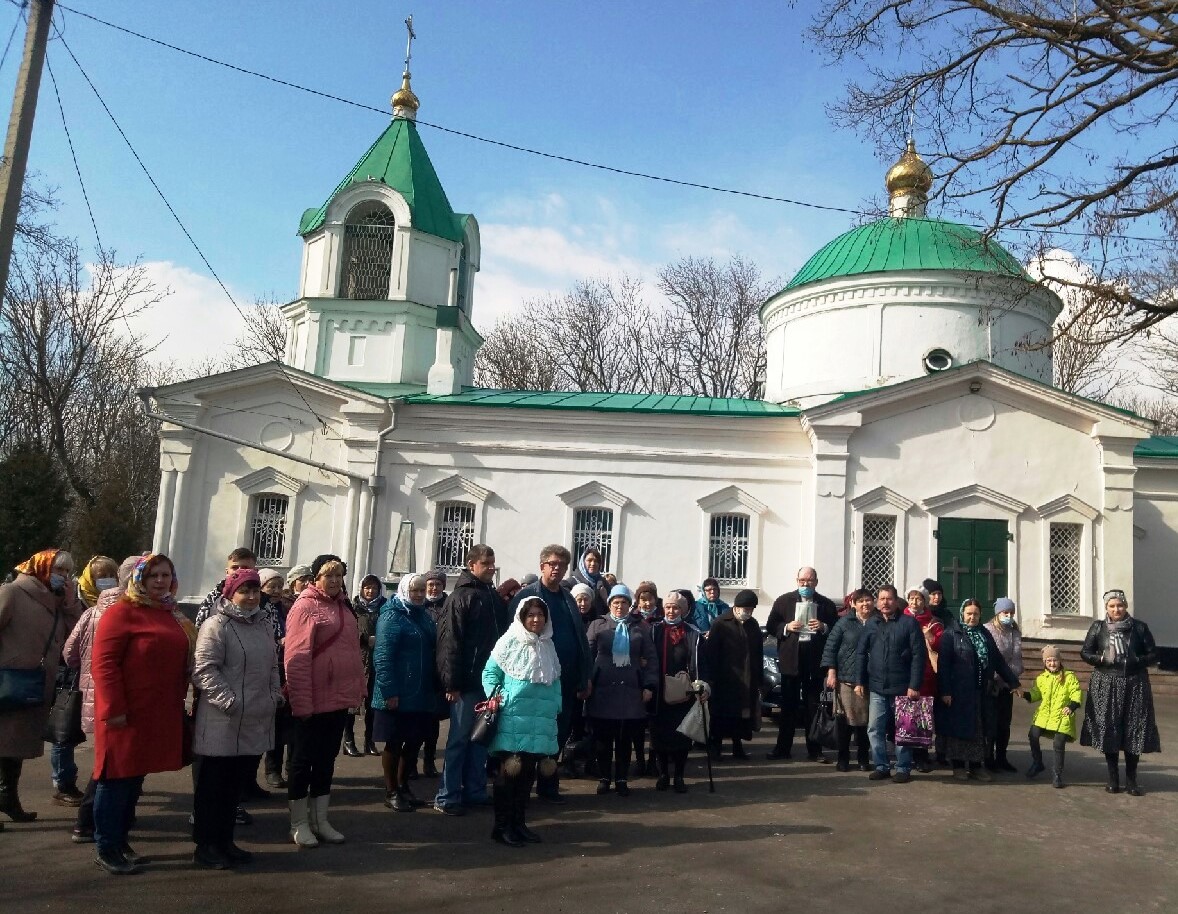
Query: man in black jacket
point(467, 631)
point(799, 656)
point(892, 654)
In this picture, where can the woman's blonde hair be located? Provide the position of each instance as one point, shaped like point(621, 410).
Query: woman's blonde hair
point(332, 567)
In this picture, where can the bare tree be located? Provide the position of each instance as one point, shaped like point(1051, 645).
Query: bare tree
point(1052, 116)
point(263, 338)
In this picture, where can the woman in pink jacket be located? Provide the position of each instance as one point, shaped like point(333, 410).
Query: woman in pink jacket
point(324, 681)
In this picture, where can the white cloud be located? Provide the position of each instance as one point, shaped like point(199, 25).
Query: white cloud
point(194, 322)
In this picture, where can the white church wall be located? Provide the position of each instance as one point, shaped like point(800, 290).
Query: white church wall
point(428, 276)
point(1155, 516)
point(315, 266)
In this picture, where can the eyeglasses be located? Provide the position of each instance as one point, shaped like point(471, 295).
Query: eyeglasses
point(555, 564)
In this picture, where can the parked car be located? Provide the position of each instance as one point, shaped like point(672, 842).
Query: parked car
point(771, 689)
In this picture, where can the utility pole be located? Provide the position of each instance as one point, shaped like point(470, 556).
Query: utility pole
point(20, 128)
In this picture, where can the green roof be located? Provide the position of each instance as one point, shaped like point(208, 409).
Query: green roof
point(610, 403)
point(398, 159)
point(893, 244)
point(1159, 447)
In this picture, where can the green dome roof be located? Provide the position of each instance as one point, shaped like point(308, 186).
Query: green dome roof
point(908, 243)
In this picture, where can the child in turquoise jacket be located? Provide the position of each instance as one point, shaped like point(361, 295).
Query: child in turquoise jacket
point(1058, 692)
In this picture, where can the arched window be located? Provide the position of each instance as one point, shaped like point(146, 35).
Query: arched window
point(463, 281)
point(267, 529)
point(728, 549)
point(368, 252)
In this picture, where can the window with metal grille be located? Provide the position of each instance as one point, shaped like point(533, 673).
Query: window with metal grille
point(879, 550)
point(594, 527)
point(463, 279)
point(268, 529)
point(455, 535)
point(368, 252)
point(728, 548)
point(1064, 549)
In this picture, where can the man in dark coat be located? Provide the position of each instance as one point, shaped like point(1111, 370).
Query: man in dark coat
point(572, 648)
point(467, 631)
point(799, 658)
point(892, 654)
point(735, 656)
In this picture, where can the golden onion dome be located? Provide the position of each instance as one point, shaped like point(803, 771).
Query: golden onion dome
point(404, 97)
point(910, 174)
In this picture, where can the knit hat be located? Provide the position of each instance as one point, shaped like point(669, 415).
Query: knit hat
point(299, 571)
point(579, 589)
point(528, 579)
point(646, 587)
point(321, 560)
point(238, 579)
point(1003, 605)
point(621, 590)
point(268, 574)
point(509, 588)
point(1049, 651)
point(436, 575)
point(746, 599)
point(917, 588)
point(930, 586)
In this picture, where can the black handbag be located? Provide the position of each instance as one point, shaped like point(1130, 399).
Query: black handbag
point(21, 689)
point(822, 729)
point(486, 720)
point(64, 725)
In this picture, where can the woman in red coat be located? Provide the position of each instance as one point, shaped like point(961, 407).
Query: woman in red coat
point(933, 631)
point(139, 664)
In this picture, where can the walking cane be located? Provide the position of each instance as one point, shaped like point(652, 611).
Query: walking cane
point(708, 751)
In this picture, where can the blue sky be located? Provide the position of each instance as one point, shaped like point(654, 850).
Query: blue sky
point(719, 95)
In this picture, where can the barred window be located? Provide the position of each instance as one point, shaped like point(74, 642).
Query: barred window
point(728, 549)
point(594, 527)
point(267, 531)
point(879, 550)
point(1064, 548)
point(368, 252)
point(463, 279)
point(455, 535)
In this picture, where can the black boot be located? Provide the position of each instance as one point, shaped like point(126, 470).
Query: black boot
point(519, 810)
point(1131, 787)
point(502, 831)
point(548, 788)
point(350, 748)
point(10, 769)
point(1114, 774)
point(1057, 773)
point(429, 759)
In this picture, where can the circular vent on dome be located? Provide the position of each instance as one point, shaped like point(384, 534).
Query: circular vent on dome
point(937, 360)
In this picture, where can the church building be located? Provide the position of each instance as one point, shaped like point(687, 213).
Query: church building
point(909, 429)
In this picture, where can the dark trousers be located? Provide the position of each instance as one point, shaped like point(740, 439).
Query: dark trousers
point(114, 808)
point(843, 732)
point(1003, 712)
point(350, 727)
point(549, 786)
point(510, 791)
point(273, 757)
point(672, 764)
point(85, 820)
point(799, 704)
point(314, 745)
point(615, 741)
point(218, 786)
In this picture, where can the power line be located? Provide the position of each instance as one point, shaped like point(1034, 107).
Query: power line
point(611, 169)
point(74, 155)
point(196, 247)
point(11, 35)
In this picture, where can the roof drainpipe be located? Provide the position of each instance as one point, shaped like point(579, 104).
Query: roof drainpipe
point(376, 486)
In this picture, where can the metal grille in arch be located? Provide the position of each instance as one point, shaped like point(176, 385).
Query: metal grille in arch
point(1065, 568)
point(594, 527)
point(879, 550)
point(728, 548)
point(455, 535)
point(268, 529)
point(368, 255)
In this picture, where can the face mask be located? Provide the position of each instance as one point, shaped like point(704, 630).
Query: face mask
point(56, 581)
point(806, 592)
point(106, 583)
point(646, 613)
point(742, 615)
point(678, 621)
point(1006, 621)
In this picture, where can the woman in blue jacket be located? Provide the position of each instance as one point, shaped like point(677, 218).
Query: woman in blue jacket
point(404, 691)
point(525, 668)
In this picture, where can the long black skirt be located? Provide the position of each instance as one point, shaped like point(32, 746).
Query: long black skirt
point(1119, 715)
point(410, 727)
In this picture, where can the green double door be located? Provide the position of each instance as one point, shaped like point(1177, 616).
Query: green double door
point(972, 561)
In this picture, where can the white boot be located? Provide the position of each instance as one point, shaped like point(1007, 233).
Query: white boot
point(319, 824)
point(300, 826)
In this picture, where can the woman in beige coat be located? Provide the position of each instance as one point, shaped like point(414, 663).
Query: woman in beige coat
point(37, 611)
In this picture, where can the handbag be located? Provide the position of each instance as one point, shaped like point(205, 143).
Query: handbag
point(822, 728)
point(20, 688)
point(676, 689)
point(486, 720)
point(695, 724)
point(63, 727)
point(914, 721)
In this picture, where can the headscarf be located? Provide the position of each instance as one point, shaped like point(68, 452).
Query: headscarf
point(1118, 632)
point(137, 593)
point(406, 584)
point(87, 586)
point(527, 656)
point(40, 566)
point(594, 580)
point(377, 602)
point(977, 638)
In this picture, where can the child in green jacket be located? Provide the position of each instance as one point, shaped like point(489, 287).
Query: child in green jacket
point(1058, 690)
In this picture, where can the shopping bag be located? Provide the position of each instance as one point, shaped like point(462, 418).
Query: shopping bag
point(914, 721)
point(695, 724)
point(822, 727)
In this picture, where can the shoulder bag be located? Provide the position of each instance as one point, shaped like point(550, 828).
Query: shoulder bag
point(675, 688)
point(20, 688)
point(486, 720)
point(63, 727)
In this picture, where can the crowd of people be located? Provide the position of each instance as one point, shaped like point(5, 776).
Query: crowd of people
point(554, 675)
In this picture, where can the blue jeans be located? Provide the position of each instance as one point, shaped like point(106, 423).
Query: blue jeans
point(114, 807)
point(61, 764)
point(881, 716)
point(464, 771)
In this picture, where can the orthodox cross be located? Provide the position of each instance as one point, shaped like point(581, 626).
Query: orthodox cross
point(409, 41)
point(955, 569)
point(990, 572)
point(912, 113)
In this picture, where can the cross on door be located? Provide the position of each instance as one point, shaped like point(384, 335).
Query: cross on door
point(955, 569)
point(990, 573)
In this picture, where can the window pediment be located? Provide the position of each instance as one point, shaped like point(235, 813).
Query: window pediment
point(882, 495)
point(731, 498)
point(593, 492)
point(974, 493)
point(269, 479)
point(455, 487)
point(1067, 503)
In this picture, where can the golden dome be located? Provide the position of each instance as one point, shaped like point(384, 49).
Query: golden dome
point(910, 174)
point(404, 97)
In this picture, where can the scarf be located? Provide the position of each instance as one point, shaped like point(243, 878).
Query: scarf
point(593, 580)
point(40, 566)
point(1118, 639)
point(621, 646)
point(406, 583)
point(676, 630)
point(526, 656)
point(978, 639)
